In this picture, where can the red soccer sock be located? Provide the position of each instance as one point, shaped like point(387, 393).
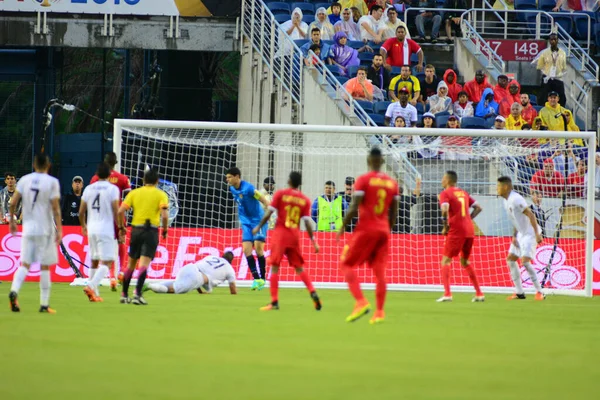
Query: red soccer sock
point(474, 281)
point(446, 280)
point(306, 279)
point(380, 292)
point(122, 257)
point(353, 284)
point(274, 286)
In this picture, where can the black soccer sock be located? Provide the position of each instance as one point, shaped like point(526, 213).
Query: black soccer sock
point(252, 266)
point(126, 282)
point(140, 281)
point(262, 265)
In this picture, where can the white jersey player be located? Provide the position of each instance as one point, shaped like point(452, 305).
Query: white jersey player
point(98, 214)
point(527, 235)
point(40, 196)
point(205, 274)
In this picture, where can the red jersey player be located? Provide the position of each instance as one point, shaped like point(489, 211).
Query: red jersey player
point(375, 201)
point(122, 182)
point(458, 226)
point(291, 206)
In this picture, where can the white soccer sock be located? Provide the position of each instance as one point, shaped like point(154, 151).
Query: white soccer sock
point(91, 273)
point(44, 287)
point(100, 274)
point(18, 279)
point(158, 288)
point(533, 276)
point(515, 274)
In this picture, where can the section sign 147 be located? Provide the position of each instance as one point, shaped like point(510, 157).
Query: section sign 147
point(517, 50)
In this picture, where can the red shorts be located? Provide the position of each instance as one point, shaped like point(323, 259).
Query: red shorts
point(455, 245)
point(284, 244)
point(371, 247)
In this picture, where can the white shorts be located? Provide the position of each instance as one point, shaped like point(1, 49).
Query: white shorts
point(103, 247)
point(527, 246)
point(188, 279)
point(38, 249)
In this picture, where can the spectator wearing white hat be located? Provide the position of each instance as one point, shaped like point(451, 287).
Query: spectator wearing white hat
point(499, 122)
point(71, 202)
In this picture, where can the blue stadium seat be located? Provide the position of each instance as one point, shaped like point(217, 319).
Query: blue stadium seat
point(334, 69)
point(279, 7)
point(328, 42)
point(545, 5)
point(314, 1)
point(308, 18)
point(352, 71)
point(538, 108)
point(380, 107)
point(581, 27)
point(442, 114)
point(342, 79)
point(472, 123)
point(300, 42)
point(414, 59)
point(441, 120)
point(565, 21)
point(533, 99)
point(306, 8)
point(489, 122)
point(395, 71)
point(420, 108)
point(366, 105)
point(526, 4)
point(355, 44)
point(420, 75)
point(365, 57)
point(321, 4)
point(281, 18)
point(378, 119)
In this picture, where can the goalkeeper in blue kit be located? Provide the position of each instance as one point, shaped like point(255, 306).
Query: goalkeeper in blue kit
point(250, 213)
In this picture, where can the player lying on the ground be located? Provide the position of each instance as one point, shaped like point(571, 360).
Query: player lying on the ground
point(205, 274)
point(291, 206)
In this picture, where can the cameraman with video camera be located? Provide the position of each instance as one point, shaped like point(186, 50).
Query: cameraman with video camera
point(558, 118)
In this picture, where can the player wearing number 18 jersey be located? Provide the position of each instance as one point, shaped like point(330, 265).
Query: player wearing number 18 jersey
point(291, 206)
point(375, 200)
point(458, 226)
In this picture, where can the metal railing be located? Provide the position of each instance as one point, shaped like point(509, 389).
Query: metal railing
point(481, 47)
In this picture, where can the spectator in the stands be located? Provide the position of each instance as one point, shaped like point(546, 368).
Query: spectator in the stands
point(372, 26)
point(360, 6)
point(536, 208)
point(504, 5)
point(402, 108)
point(528, 113)
point(328, 209)
point(360, 88)
point(561, 153)
point(401, 6)
point(453, 122)
point(487, 107)
point(476, 87)
point(527, 167)
point(427, 17)
point(501, 89)
point(295, 27)
point(347, 25)
point(555, 117)
point(548, 182)
point(392, 22)
point(341, 54)
point(575, 5)
point(515, 121)
point(440, 102)
point(452, 18)
point(429, 83)
point(334, 16)
point(356, 15)
point(378, 75)
point(384, 4)
point(405, 81)
point(428, 121)
point(315, 36)
point(315, 60)
point(398, 51)
point(399, 122)
point(322, 23)
point(514, 96)
point(538, 124)
point(463, 107)
point(453, 87)
point(404, 206)
point(528, 142)
point(499, 123)
point(576, 182)
point(552, 61)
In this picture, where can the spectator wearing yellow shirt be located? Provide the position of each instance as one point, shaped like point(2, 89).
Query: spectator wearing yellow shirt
point(552, 62)
point(515, 120)
point(360, 5)
point(558, 118)
point(405, 80)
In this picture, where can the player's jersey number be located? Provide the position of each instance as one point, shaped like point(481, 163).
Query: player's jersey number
point(380, 206)
point(215, 262)
point(293, 216)
point(96, 203)
point(463, 206)
point(36, 191)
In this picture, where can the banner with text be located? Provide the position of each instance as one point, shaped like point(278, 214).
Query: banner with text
point(121, 7)
point(414, 259)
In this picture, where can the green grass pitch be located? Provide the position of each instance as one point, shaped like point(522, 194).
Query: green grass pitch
point(221, 347)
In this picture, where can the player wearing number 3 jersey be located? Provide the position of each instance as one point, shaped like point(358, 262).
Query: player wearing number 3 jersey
point(375, 201)
point(458, 226)
point(291, 206)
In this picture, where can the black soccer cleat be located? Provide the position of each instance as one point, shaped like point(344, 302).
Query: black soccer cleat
point(139, 301)
point(47, 310)
point(316, 300)
point(516, 296)
point(14, 304)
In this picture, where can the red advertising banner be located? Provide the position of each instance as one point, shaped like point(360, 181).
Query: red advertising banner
point(414, 259)
point(517, 50)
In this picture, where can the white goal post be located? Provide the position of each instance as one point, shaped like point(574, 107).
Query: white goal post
point(192, 157)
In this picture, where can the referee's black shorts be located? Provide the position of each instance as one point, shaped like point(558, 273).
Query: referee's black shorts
point(143, 243)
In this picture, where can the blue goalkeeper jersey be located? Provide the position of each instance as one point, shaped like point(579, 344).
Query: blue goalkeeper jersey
point(249, 208)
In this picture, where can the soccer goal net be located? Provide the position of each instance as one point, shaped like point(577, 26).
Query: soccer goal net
point(548, 168)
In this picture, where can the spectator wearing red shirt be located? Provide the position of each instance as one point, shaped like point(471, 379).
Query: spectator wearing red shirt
point(453, 88)
point(476, 87)
point(501, 89)
point(577, 180)
point(397, 51)
point(514, 96)
point(529, 113)
point(548, 181)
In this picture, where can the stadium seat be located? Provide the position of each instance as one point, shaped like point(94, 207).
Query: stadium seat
point(420, 108)
point(527, 4)
point(380, 107)
point(328, 42)
point(366, 105)
point(281, 18)
point(365, 57)
point(420, 75)
point(352, 71)
point(489, 122)
point(321, 4)
point(335, 69)
point(308, 18)
point(441, 120)
point(279, 7)
point(355, 44)
point(342, 80)
point(538, 108)
point(306, 8)
point(565, 22)
point(472, 123)
point(442, 114)
point(533, 99)
point(300, 42)
point(395, 71)
point(378, 119)
point(414, 59)
point(581, 27)
point(544, 5)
